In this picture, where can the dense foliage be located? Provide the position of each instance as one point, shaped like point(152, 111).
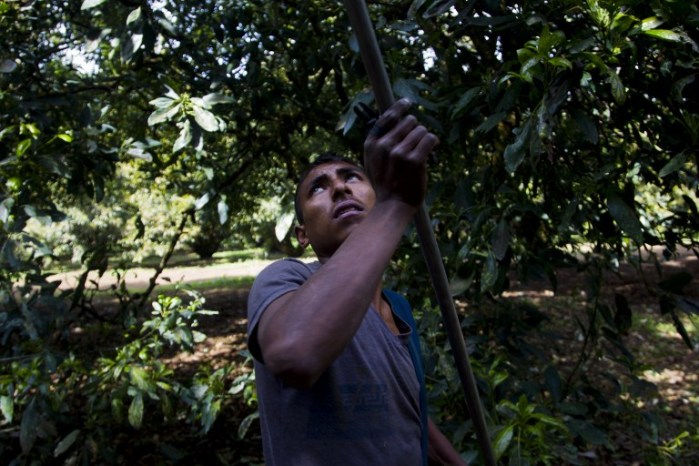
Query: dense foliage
point(569, 138)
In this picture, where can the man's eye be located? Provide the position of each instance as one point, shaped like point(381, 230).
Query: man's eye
point(353, 176)
point(315, 189)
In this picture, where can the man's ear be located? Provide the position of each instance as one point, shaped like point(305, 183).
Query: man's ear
point(300, 231)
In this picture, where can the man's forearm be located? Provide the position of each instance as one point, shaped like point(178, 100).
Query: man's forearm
point(441, 451)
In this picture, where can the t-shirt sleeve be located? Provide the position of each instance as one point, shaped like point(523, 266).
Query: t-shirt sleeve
point(275, 280)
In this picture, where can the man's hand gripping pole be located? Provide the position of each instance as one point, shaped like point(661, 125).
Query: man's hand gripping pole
point(373, 63)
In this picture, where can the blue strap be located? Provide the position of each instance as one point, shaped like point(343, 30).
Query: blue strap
point(402, 308)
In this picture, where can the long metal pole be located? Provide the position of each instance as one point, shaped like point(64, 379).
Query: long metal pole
point(383, 93)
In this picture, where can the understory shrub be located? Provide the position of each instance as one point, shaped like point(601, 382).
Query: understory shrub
point(61, 406)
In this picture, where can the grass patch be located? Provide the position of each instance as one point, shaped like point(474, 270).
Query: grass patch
point(178, 259)
point(189, 259)
point(231, 283)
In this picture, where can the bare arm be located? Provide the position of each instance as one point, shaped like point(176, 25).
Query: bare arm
point(303, 332)
point(440, 449)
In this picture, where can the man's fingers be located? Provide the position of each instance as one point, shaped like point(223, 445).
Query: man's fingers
point(376, 130)
point(416, 145)
point(427, 144)
point(389, 118)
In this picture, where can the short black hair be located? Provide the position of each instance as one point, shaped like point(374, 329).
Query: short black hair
point(322, 159)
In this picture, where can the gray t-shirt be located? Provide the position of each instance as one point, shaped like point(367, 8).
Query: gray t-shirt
point(364, 410)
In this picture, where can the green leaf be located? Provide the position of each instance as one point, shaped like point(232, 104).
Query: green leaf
point(528, 67)
point(618, 90)
point(245, 424)
point(133, 16)
point(414, 7)
point(651, 22)
point(526, 54)
point(204, 118)
point(216, 98)
point(6, 131)
point(130, 45)
point(163, 114)
point(502, 440)
point(136, 411)
point(222, 209)
point(559, 62)
point(284, 223)
point(199, 391)
point(139, 377)
point(596, 61)
point(29, 428)
point(679, 326)
point(458, 285)
point(586, 126)
point(549, 40)
point(413, 90)
point(623, 315)
point(491, 122)
point(515, 152)
point(490, 272)
point(500, 240)
point(210, 415)
point(553, 382)
point(6, 209)
point(588, 432)
point(573, 409)
point(549, 420)
point(164, 386)
point(7, 407)
point(66, 443)
point(599, 14)
point(87, 4)
point(499, 378)
point(437, 8)
point(197, 336)
point(23, 145)
point(65, 137)
point(162, 102)
point(673, 165)
point(118, 409)
point(184, 138)
point(464, 102)
point(171, 93)
point(198, 101)
point(173, 454)
point(626, 218)
point(7, 66)
point(168, 26)
point(202, 201)
point(665, 34)
point(140, 154)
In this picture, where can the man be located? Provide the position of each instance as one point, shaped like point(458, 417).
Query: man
point(336, 358)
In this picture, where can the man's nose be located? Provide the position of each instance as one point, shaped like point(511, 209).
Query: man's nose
point(340, 188)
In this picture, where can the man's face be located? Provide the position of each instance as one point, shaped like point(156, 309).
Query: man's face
point(334, 198)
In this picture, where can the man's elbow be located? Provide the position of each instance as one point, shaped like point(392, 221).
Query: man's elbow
point(297, 369)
